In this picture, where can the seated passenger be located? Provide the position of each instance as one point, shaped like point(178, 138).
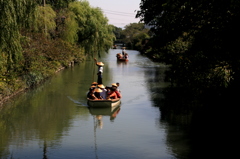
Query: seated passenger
point(119, 55)
point(114, 88)
point(112, 94)
point(108, 89)
point(97, 93)
point(118, 84)
point(91, 94)
point(126, 56)
point(104, 91)
point(94, 84)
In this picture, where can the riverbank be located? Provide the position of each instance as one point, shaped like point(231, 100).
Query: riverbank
point(24, 87)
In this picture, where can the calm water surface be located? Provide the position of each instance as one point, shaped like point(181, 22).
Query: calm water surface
point(53, 120)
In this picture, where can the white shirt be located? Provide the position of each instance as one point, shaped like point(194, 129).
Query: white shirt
point(100, 69)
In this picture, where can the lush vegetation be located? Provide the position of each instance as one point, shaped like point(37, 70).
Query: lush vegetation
point(199, 42)
point(39, 37)
point(134, 35)
point(199, 39)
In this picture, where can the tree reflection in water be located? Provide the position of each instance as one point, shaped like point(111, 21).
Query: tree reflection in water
point(204, 114)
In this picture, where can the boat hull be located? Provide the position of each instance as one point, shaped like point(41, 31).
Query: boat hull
point(103, 103)
point(109, 111)
point(122, 59)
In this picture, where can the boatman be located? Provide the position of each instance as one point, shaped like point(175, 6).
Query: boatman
point(100, 71)
point(123, 51)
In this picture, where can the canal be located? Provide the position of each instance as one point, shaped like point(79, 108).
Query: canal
point(53, 120)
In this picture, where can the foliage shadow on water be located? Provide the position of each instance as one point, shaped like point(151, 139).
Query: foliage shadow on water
point(207, 116)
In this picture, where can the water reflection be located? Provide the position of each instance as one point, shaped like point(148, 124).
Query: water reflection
point(122, 63)
point(98, 114)
point(54, 121)
point(195, 118)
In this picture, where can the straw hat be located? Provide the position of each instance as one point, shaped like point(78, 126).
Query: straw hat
point(98, 90)
point(95, 83)
point(101, 86)
point(114, 84)
point(92, 87)
point(100, 63)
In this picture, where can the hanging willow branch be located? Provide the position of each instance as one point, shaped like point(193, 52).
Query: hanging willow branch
point(14, 14)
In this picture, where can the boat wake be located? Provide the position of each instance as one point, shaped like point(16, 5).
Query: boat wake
point(79, 103)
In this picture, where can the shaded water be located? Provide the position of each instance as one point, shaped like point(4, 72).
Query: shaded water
point(53, 120)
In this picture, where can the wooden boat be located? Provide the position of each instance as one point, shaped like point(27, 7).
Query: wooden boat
point(103, 103)
point(121, 58)
point(114, 46)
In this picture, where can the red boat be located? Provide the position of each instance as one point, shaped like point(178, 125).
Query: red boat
point(121, 57)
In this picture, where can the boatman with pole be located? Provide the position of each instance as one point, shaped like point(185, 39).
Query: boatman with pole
point(123, 51)
point(100, 71)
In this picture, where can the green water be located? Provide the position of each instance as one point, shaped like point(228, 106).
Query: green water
point(53, 120)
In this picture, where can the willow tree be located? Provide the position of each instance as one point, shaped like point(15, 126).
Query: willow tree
point(14, 15)
point(93, 32)
point(71, 28)
point(45, 19)
point(57, 4)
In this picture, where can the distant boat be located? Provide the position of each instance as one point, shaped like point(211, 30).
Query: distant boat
point(120, 57)
point(103, 103)
point(114, 46)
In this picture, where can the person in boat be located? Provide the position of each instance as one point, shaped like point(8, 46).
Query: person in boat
point(94, 84)
point(118, 84)
point(126, 56)
point(97, 93)
point(114, 88)
point(119, 55)
point(112, 94)
point(104, 91)
point(91, 93)
point(100, 71)
point(123, 51)
point(108, 90)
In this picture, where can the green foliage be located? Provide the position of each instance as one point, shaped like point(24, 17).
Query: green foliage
point(140, 40)
point(36, 40)
point(198, 39)
point(45, 19)
point(43, 57)
point(118, 33)
point(58, 4)
point(3, 65)
point(134, 35)
point(94, 33)
point(14, 15)
point(71, 28)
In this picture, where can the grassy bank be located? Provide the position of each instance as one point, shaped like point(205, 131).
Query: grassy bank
point(42, 58)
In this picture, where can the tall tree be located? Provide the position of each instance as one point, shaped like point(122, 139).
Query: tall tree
point(133, 34)
point(118, 32)
point(45, 16)
point(56, 4)
point(94, 33)
point(208, 31)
